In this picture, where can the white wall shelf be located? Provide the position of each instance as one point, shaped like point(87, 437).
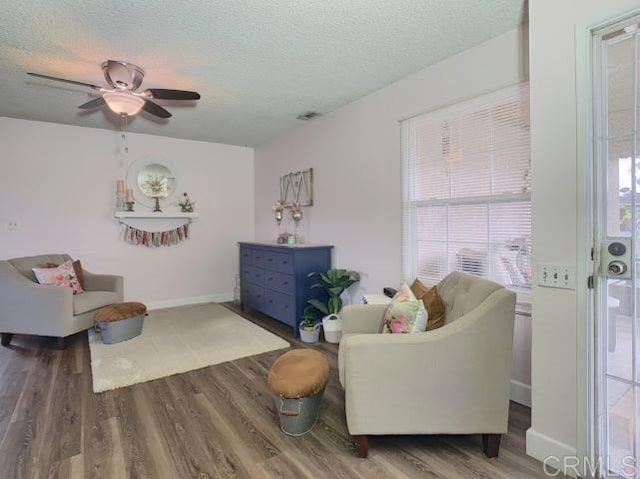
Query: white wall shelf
point(124, 217)
point(150, 215)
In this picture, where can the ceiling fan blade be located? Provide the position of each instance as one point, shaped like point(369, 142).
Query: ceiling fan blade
point(73, 82)
point(95, 103)
point(164, 94)
point(155, 109)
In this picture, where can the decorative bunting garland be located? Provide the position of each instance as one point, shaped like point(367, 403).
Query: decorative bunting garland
point(156, 239)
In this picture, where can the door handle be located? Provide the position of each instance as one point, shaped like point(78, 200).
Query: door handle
point(617, 268)
point(617, 258)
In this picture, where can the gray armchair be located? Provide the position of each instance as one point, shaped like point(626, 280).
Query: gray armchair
point(27, 307)
point(453, 380)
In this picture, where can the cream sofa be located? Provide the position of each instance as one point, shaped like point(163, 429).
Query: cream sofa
point(453, 380)
point(27, 307)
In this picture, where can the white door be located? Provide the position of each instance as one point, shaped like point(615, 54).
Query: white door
point(617, 175)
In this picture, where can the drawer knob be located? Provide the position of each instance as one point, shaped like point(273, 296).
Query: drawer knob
point(285, 283)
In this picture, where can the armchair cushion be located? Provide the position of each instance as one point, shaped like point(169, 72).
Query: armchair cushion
point(433, 303)
point(77, 267)
point(90, 300)
point(462, 293)
point(25, 265)
point(63, 276)
point(405, 314)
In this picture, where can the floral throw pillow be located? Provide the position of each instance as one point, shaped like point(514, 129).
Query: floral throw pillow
point(64, 275)
point(405, 313)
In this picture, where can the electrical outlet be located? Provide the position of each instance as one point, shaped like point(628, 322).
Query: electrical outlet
point(12, 226)
point(557, 276)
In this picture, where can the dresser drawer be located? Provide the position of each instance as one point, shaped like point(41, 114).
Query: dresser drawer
point(271, 261)
point(280, 306)
point(257, 258)
point(284, 263)
point(245, 256)
point(253, 295)
point(251, 274)
point(281, 282)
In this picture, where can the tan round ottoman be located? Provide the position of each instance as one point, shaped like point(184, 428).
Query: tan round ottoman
point(120, 322)
point(297, 380)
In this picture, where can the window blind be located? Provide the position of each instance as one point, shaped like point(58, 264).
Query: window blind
point(467, 191)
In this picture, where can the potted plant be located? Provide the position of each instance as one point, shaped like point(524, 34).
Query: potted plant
point(334, 282)
point(309, 326)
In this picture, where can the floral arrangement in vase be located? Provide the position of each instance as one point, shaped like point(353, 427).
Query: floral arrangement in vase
point(155, 186)
point(186, 205)
point(278, 209)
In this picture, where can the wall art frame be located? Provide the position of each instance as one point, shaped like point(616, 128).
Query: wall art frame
point(297, 187)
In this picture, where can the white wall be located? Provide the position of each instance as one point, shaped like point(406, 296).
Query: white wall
point(58, 183)
point(557, 198)
point(356, 155)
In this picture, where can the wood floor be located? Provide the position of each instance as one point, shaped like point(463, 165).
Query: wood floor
point(215, 422)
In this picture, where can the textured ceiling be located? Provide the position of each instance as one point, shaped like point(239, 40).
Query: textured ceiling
point(257, 64)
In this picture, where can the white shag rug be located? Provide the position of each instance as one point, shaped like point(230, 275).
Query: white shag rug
point(177, 340)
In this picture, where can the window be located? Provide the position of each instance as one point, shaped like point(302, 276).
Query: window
point(467, 191)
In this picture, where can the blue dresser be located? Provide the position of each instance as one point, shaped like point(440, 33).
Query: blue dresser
point(274, 278)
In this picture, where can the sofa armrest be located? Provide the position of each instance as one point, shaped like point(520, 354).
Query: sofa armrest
point(104, 282)
point(363, 318)
point(31, 308)
point(453, 380)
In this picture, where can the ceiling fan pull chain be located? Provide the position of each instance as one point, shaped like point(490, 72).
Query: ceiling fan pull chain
point(125, 145)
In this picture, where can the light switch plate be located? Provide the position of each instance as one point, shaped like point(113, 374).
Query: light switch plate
point(561, 276)
point(12, 226)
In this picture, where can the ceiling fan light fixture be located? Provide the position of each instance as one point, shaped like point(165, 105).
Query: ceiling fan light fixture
point(123, 103)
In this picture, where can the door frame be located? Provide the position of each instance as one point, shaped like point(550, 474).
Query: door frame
point(587, 215)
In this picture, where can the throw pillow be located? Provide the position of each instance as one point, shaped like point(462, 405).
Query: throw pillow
point(433, 303)
point(405, 313)
point(63, 275)
point(77, 268)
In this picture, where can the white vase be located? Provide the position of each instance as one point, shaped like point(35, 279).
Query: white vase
point(332, 326)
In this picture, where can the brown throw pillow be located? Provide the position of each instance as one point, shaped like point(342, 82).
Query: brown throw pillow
point(77, 268)
point(433, 303)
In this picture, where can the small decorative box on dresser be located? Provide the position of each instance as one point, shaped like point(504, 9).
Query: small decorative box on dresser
point(274, 278)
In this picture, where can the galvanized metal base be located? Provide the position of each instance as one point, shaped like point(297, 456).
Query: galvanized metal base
point(118, 331)
point(298, 416)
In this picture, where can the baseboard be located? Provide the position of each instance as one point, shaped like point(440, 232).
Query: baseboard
point(550, 451)
point(521, 393)
point(172, 303)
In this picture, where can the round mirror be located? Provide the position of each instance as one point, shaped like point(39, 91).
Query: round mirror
point(156, 181)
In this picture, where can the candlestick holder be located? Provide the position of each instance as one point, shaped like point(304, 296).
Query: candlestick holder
point(130, 206)
point(120, 201)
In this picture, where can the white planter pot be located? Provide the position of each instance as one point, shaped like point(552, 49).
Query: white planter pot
point(310, 336)
point(332, 326)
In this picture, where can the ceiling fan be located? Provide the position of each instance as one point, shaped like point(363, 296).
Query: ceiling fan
point(121, 96)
